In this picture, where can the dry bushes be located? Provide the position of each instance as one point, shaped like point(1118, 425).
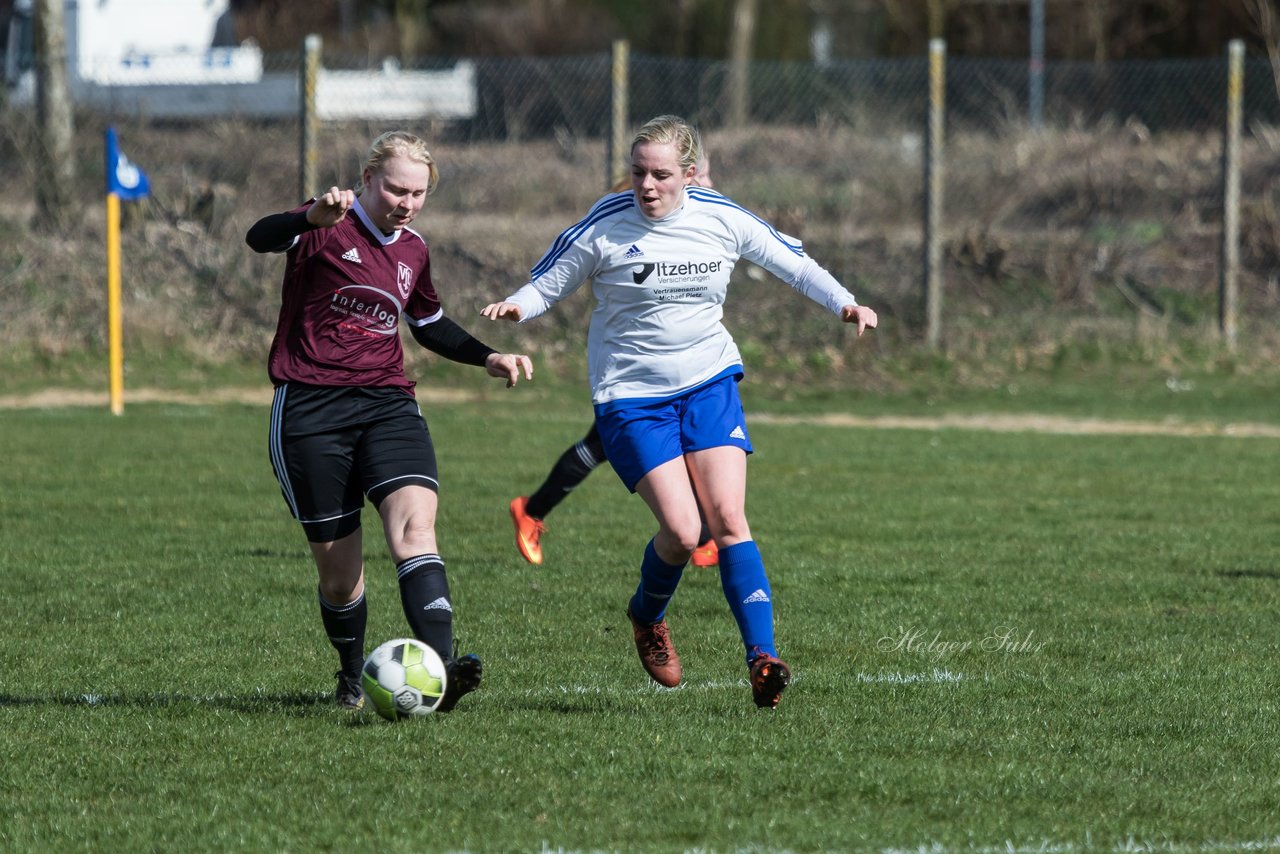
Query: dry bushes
point(1103, 242)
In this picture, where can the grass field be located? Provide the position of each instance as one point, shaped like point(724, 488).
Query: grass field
point(1002, 641)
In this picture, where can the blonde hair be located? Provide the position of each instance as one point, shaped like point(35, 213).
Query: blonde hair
point(676, 131)
point(399, 143)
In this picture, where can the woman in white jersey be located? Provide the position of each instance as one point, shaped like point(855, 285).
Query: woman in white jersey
point(664, 374)
point(529, 512)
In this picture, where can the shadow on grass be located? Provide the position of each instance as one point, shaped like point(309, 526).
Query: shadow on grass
point(277, 554)
point(1273, 574)
point(565, 707)
point(297, 704)
point(275, 705)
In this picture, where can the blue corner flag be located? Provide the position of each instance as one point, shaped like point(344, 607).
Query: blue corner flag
point(123, 178)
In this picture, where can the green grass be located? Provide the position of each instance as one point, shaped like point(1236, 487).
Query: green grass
point(1041, 642)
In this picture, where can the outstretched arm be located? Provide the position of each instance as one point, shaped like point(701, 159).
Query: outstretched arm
point(528, 302)
point(450, 340)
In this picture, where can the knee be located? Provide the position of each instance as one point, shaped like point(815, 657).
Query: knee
point(689, 539)
point(416, 537)
point(341, 591)
point(340, 568)
point(728, 524)
point(680, 540)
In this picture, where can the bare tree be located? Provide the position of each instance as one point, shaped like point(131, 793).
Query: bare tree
point(917, 20)
point(1266, 17)
point(937, 19)
point(684, 24)
point(56, 169)
point(741, 41)
point(411, 25)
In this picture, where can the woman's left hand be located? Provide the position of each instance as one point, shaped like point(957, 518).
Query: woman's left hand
point(861, 315)
point(508, 366)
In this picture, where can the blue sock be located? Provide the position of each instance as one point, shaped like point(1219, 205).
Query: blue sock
point(746, 588)
point(658, 580)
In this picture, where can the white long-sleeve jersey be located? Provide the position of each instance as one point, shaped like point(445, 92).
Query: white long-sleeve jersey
point(660, 287)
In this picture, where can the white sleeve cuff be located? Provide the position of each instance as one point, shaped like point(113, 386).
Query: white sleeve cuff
point(530, 301)
point(821, 287)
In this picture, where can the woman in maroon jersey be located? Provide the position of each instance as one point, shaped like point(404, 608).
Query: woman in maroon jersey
point(344, 421)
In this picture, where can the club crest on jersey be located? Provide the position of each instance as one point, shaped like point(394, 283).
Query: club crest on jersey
point(404, 279)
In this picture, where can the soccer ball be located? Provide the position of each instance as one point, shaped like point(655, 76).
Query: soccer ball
point(404, 678)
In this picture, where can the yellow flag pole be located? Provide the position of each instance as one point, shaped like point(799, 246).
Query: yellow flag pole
point(115, 335)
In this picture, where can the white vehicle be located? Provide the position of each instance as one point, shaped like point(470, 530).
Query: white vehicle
point(113, 43)
point(179, 59)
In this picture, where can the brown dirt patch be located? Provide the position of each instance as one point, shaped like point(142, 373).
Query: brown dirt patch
point(1031, 423)
point(57, 398)
point(1027, 423)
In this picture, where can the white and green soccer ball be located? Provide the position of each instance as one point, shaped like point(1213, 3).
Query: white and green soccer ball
point(404, 678)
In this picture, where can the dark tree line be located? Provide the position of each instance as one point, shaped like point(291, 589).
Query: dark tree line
point(1093, 30)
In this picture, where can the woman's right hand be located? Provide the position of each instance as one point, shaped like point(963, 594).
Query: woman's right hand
point(502, 311)
point(330, 208)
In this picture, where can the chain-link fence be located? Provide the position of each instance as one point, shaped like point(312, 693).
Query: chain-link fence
point(1110, 210)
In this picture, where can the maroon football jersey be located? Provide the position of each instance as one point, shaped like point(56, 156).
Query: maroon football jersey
point(344, 291)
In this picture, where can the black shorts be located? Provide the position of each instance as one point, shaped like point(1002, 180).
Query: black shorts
point(332, 446)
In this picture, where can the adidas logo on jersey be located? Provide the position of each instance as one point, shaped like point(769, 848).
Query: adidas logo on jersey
point(738, 434)
point(634, 252)
point(758, 596)
point(351, 255)
point(441, 604)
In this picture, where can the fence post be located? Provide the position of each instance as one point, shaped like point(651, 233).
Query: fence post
point(1228, 293)
point(308, 117)
point(1035, 83)
point(616, 158)
point(933, 193)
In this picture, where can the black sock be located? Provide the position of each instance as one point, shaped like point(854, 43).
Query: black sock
point(570, 470)
point(345, 627)
point(424, 593)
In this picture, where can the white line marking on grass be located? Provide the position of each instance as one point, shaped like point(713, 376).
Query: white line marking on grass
point(651, 688)
point(935, 675)
point(1128, 846)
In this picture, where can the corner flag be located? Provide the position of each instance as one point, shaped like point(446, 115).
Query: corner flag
point(124, 179)
point(128, 182)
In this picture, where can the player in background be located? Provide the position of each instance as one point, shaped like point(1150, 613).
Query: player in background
point(344, 421)
point(529, 513)
point(664, 374)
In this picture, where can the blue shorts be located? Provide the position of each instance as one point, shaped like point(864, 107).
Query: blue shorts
point(640, 435)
